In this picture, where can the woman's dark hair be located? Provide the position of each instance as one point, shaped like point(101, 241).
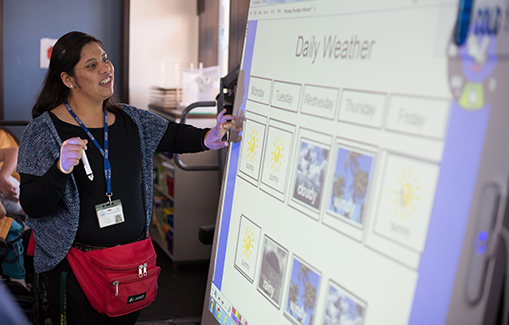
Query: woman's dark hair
point(64, 57)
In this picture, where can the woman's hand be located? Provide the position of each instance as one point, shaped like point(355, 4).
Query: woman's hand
point(70, 154)
point(213, 138)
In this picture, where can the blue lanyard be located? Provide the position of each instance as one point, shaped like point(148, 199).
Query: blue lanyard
point(107, 166)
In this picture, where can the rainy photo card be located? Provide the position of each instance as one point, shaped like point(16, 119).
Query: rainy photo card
point(310, 171)
point(349, 187)
point(248, 245)
point(276, 162)
point(349, 190)
point(342, 307)
point(303, 292)
point(252, 147)
point(272, 271)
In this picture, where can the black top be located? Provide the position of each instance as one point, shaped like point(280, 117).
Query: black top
point(125, 159)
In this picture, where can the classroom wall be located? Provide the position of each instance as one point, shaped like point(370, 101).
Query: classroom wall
point(161, 31)
point(27, 21)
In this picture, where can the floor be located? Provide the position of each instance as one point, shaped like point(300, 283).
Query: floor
point(180, 295)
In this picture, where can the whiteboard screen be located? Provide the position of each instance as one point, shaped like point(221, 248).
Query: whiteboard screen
point(349, 197)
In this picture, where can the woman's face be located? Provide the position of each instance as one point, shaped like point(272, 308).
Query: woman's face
point(93, 74)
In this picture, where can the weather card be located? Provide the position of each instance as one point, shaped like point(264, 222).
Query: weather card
point(276, 161)
point(310, 171)
point(252, 147)
point(350, 184)
point(302, 293)
point(406, 200)
point(248, 243)
point(342, 308)
point(272, 271)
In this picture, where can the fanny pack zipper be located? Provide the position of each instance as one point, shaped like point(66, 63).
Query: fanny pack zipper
point(143, 273)
point(142, 270)
point(123, 268)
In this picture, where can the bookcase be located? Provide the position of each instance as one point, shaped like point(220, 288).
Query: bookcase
point(184, 200)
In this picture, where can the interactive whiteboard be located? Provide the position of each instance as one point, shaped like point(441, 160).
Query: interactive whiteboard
point(372, 171)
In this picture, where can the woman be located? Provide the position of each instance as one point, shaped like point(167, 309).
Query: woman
point(63, 203)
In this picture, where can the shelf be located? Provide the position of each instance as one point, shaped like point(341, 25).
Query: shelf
point(156, 237)
point(163, 192)
point(168, 165)
point(166, 159)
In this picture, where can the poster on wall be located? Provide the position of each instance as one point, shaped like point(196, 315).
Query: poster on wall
point(46, 47)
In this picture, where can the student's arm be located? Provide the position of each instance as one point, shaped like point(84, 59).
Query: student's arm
point(9, 156)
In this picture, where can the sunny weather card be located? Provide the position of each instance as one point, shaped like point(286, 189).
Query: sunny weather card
point(351, 180)
point(248, 243)
point(406, 200)
point(302, 293)
point(252, 147)
point(342, 308)
point(272, 271)
point(277, 158)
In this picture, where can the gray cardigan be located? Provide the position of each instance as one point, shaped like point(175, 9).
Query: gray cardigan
point(40, 148)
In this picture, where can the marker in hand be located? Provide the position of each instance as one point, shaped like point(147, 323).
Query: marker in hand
point(88, 170)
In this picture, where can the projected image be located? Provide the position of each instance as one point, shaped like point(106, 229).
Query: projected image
point(252, 148)
point(302, 293)
point(350, 185)
point(276, 158)
point(272, 271)
point(342, 308)
point(473, 77)
point(406, 194)
point(407, 200)
point(211, 305)
point(277, 154)
point(310, 173)
point(248, 244)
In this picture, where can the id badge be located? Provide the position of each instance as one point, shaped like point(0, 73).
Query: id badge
point(109, 214)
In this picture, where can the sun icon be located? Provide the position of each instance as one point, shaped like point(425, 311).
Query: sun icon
point(251, 145)
point(248, 243)
point(406, 194)
point(277, 154)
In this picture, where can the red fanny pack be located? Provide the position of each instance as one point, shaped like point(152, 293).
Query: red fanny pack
point(117, 280)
